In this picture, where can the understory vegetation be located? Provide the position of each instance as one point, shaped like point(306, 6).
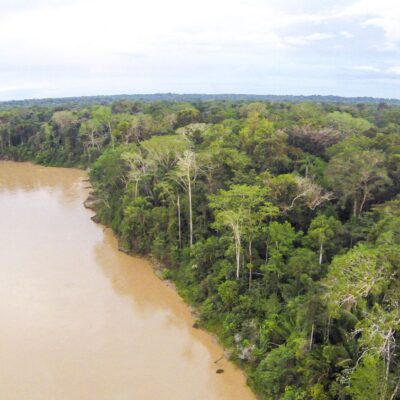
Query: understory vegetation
point(279, 221)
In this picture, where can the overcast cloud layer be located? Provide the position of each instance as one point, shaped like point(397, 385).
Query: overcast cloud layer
point(52, 48)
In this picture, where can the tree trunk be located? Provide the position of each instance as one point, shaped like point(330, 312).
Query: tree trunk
point(92, 138)
point(328, 330)
point(250, 252)
point(250, 275)
point(363, 200)
point(388, 359)
point(355, 208)
point(250, 264)
point(190, 212)
point(237, 246)
point(396, 389)
point(311, 338)
point(179, 221)
point(111, 135)
point(321, 250)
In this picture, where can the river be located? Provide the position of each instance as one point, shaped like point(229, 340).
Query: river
point(81, 320)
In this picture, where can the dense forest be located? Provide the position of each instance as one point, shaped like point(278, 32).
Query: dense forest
point(279, 221)
point(84, 101)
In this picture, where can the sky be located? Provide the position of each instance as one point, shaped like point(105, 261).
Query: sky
point(55, 48)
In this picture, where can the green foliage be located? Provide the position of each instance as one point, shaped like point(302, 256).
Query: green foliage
point(355, 276)
point(367, 179)
point(347, 124)
point(242, 208)
point(228, 292)
point(324, 235)
point(367, 380)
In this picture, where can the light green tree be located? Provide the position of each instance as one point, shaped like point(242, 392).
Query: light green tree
point(185, 174)
point(353, 276)
point(322, 232)
point(240, 208)
point(347, 124)
point(356, 176)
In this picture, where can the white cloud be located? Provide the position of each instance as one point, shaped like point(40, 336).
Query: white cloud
point(366, 68)
point(98, 27)
point(395, 70)
point(383, 14)
point(391, 72)
point(302, 40)
point(346, 34)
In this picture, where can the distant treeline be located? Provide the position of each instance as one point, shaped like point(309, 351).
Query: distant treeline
point(279, 221)
point(175, 97)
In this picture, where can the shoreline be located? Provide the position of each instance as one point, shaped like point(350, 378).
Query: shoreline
point(156, 269)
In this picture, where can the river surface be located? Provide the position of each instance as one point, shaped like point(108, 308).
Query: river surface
point(81, 320)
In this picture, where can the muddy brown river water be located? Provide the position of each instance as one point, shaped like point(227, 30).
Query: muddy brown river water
point(80, 320)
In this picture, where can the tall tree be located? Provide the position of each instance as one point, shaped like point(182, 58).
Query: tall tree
point(185, 174)
point(322, 233)
point(240, 208)
point(357, 175)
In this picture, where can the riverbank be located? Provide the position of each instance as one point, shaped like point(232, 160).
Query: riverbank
point(162, 273)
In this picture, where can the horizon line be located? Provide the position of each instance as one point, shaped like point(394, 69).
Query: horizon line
point(252, 95)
